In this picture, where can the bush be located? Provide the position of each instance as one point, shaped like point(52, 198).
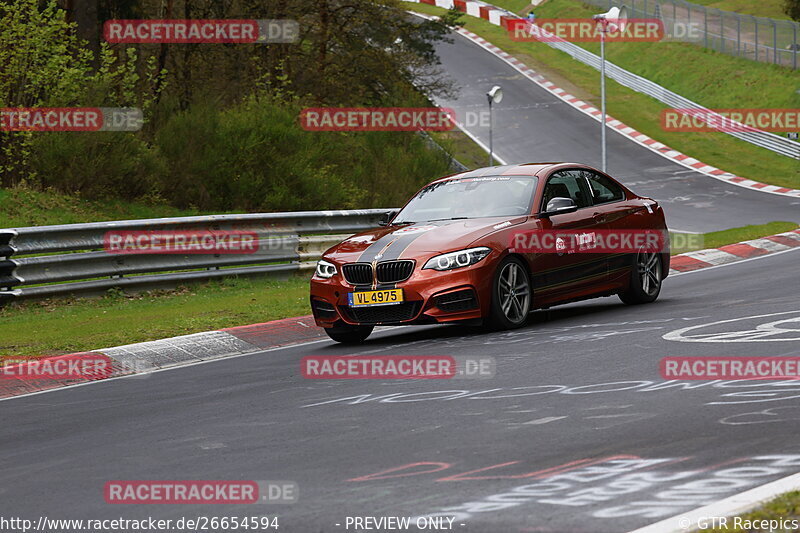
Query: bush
point(97, 165)
point(255, 156)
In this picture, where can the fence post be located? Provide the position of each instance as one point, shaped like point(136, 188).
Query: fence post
point(738, 35)
point(674, 15)
point(722, 29)
point(794, 46)
point(705, 24)
point(775, 40)
point(755, 23)
point(688, 15)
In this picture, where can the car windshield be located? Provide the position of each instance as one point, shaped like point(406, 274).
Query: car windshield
point(494, 196)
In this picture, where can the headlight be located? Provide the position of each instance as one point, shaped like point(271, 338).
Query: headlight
point(459, 259)
point(325, 269)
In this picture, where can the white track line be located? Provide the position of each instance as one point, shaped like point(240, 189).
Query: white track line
point(732, 506)
point(259, 351)
point(704, 269)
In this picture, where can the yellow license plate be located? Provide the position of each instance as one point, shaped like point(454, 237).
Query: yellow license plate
point(384, 297)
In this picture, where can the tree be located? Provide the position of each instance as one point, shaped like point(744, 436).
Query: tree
point(43, 63)
point(84, 13)
point(792, 9)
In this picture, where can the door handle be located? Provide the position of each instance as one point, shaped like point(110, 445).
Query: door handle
point(599, 217)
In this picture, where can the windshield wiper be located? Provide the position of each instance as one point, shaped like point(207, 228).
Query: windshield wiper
point(429, 220)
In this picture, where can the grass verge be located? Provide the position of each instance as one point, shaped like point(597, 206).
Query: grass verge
point(786, 507)
point(53, 327)
point(684, 242)
point(56, 327)
point(462, 148)
point(758, 8)
point(28, 207)
point(710, 78)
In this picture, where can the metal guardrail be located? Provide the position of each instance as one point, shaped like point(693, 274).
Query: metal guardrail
point(769, 141)
point(44, 261)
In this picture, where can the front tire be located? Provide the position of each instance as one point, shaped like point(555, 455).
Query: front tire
point(646, 278)
point(511, 295)
point(349, 334)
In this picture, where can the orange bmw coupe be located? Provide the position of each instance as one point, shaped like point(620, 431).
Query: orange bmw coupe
point(459, 251)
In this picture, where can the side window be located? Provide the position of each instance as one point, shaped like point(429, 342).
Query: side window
point(603, 190)
point(565, 184)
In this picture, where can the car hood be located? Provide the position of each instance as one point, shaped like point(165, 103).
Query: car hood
point(408, 241)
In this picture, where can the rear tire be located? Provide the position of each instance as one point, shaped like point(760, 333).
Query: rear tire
point(349, 334)
point(511, 295)
point(646, 277)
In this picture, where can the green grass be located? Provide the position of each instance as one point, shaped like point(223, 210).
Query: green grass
point(712, 79)
point(64, 326)
point(462, 148)
point(684, 242)
point(520, 7)
point(27, 207)
point(759, 8)
point(786, 507)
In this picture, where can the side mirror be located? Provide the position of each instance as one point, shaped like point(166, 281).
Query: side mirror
point(559, 206)
point(387, 217)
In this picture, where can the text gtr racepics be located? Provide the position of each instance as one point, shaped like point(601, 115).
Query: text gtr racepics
point(490, 245)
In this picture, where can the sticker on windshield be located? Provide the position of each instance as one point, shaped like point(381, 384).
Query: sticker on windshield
point(413, 229)
point(491, 178)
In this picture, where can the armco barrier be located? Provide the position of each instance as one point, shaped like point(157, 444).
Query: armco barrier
point(44, 261)
point(499, 17)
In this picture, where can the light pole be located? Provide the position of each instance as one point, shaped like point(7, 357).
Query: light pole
point(612, 20)
point(495, 96)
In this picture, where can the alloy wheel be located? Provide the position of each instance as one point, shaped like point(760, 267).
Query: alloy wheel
point(515, 294)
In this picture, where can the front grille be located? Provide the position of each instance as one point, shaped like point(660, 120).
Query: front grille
point(382, 313)
point(457, 301)
point(322, 309)
point(358, 273)
point(386, 272)
point(394, 271)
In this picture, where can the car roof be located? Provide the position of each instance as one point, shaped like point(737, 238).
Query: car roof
point(521, 169)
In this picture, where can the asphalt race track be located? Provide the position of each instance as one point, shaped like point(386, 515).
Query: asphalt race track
point(576, 431)
point(577, 412)
point(533, 125)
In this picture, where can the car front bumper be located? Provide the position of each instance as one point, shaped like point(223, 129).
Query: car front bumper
point(429, 297)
